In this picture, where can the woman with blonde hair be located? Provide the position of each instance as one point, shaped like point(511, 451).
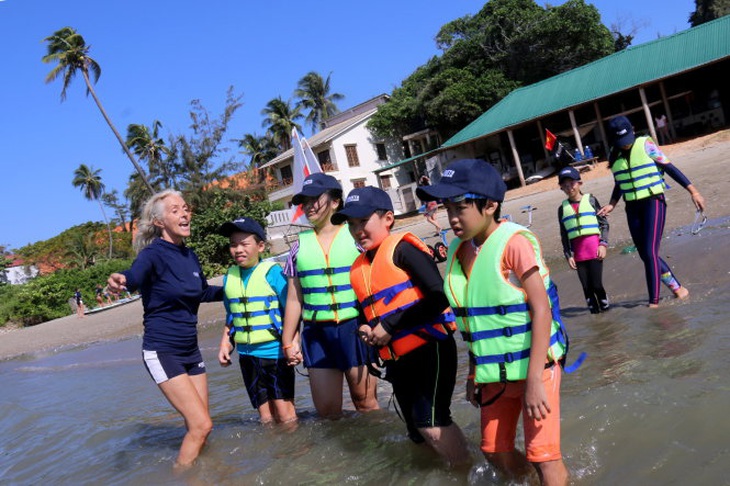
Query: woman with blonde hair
point(171, 281)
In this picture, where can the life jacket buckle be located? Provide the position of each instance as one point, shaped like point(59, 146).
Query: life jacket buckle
point(507, 332)
point(328, 271)
point(501, 310)
point(509, 358)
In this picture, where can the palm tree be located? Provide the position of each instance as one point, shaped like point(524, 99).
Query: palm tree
point(314, 95)
point(260, 149)
point(89, 182)
point(148, 145)
point(67, 48)
point(280, 119)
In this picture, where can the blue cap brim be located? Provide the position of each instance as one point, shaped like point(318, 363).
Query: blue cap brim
point(309, 191)
point(352, 212)
point(439, 191)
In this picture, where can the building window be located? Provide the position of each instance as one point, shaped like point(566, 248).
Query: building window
point(385, 182)
point(325, 162)
point(352, 160)
point(382, 153)
point(358, 183)
point(286, 175)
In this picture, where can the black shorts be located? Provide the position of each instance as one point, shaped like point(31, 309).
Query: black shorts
point(266, 379)
point(423, 383)
point(162, 366)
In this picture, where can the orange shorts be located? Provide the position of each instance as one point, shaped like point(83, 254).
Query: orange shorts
point(499, 419)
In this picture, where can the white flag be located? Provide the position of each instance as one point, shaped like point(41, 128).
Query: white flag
point(305, 163)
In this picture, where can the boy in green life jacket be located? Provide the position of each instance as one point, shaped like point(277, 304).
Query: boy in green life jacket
point(255, 295)
point(584, 235)
point(508, 312)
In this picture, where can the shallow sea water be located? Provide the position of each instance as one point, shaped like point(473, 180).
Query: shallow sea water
point(648, 406)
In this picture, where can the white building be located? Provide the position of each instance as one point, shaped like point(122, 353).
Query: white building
point(350, 152)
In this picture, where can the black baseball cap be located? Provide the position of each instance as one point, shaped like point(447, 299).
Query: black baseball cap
point(621, 131)
point(314, 185)
point(244, 225)
point(474, 177)
point(568, 173)
point(361, 203)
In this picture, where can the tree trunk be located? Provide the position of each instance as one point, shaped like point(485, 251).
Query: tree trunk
point(108, 227)
point(116, 133)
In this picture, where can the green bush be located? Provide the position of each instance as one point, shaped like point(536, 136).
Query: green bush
point(45, 298)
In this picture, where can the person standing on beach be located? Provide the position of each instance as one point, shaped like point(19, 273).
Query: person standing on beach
point(430, 206)
point(255, 299)
point(638, 168)
point(79, 304)
point(508, 311)
point(584, 236)
point(320, 295)
point(171, 281)
point(662, 129)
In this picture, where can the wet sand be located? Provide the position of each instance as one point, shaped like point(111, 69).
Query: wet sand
point(700, 262)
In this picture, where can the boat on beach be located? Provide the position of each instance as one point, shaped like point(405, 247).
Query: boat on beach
point(118, 303)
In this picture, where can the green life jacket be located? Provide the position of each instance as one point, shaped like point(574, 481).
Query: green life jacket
point(325, 277)
point(492, 313)
point(253, 306)
point(638, 177)
point(581, 223)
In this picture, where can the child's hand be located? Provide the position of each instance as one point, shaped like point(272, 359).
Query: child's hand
point(379, 336)
point(117, 282)
point(293, 353)
point(605, 210)
point(571, 263)
point(536, 402)
point(224, 353)
point(601, 252)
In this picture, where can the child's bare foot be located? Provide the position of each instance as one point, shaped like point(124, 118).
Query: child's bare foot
point(653, 306)
point(681, 293)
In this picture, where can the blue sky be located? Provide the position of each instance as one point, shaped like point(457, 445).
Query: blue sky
point(157, 56)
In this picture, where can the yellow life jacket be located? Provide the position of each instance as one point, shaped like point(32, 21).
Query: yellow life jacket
point(638, 177)
point(583, 222)
point(493, 314)
point(254, 306)
point(325, 277)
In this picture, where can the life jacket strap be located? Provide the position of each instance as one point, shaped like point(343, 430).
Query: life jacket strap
point(388, 293)
point(329, 307)
point(490, 310)
point(323, 271)
point(329, 289)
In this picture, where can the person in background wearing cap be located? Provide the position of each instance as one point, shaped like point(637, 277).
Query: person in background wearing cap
point(172, 284)
point(584, 235)
point(638, 167)
point(255, 299)
point(508, 311)
point(318, 274)
point(406, 316)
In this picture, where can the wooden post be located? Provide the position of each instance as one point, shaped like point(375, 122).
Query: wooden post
point(604, 138)
point(516, 156)
point(665, 101)
point(647, 114)
point(576, 133)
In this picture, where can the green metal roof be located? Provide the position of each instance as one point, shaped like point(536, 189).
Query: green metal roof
point(630, 68)
point(404, 161)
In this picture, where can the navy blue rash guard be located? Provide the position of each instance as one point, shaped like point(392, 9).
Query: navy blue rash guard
point(172, 285)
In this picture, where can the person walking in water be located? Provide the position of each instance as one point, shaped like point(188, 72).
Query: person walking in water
point(172, 284)
point(319, 294)
point(584, 236)
point(638, 167)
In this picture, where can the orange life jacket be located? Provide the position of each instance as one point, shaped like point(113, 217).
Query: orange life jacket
point(384, 289)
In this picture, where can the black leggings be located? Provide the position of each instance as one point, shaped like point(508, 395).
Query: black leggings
point(590, 273)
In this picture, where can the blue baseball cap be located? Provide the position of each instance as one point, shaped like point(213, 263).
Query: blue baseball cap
point(568, 173)
point(244, 225)
point(621, 131)
point(361, 203)
point(473, 177)
point(315, 185)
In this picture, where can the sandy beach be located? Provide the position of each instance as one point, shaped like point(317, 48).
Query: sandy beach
point(699, 261)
